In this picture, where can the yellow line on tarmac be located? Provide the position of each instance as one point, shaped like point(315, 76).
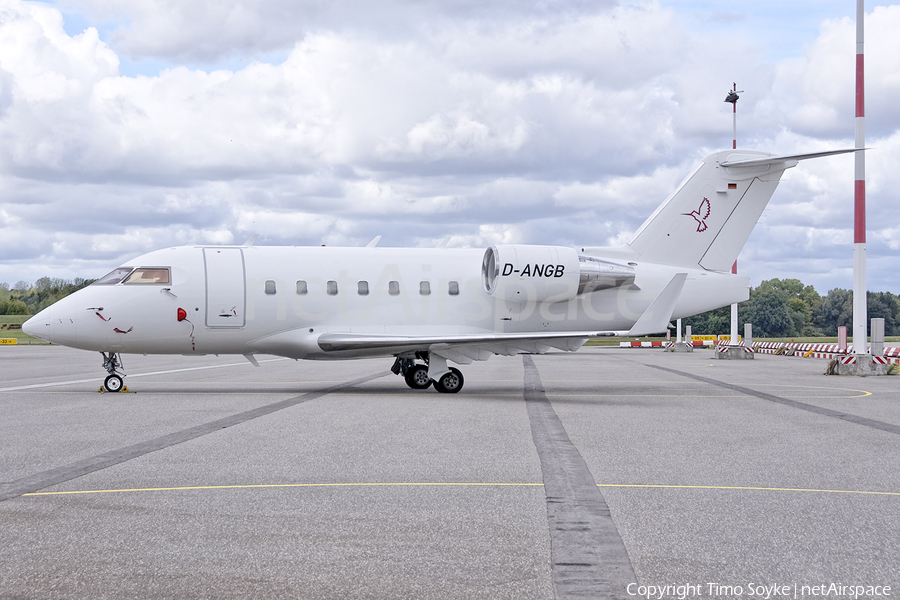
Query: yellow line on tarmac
point(731, 487)
point(284, 485)
point(453, 484)
point(862, 393)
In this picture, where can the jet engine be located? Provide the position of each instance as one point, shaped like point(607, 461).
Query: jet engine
point(547, 273)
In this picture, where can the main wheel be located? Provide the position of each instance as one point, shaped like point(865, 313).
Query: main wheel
point(450, 383)
point(113, 383)
point(417, 377)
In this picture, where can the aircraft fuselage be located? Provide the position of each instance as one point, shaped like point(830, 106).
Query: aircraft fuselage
point(239, 300)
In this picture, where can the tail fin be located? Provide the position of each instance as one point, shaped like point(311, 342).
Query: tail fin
point(708, 218)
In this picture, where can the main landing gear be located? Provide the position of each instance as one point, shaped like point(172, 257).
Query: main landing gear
point(449, 383)
point(417, 375)
point(112, 362)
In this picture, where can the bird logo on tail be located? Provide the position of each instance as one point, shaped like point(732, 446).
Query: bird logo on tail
point(700, 214)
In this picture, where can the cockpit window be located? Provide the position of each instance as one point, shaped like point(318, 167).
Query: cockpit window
point(148, 275)
point(114, 276)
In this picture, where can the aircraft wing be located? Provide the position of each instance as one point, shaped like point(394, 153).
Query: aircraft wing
point(460, 348)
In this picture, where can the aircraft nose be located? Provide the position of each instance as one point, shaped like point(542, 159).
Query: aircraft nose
point(39, 325)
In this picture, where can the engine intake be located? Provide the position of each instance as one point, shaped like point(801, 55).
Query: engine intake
point(547, 273)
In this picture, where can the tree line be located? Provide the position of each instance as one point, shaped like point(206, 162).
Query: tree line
point(776, 308)
point(29, 298)
point(787, 308)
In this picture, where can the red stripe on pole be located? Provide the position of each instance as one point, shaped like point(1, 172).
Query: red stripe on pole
point(859, 212)
point(860, 88)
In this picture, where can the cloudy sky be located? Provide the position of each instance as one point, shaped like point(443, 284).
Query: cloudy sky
point(130, 126)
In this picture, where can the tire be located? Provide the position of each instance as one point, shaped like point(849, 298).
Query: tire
point(417, 377)
point(450, 383)
point(113, 383)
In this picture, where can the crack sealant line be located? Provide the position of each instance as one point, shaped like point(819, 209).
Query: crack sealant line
point(94, 379)
point(45, 479)
point(587, 554)
point(819, 410)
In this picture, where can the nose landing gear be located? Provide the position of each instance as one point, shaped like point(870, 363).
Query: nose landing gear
point(416, 375)
point(112, 362)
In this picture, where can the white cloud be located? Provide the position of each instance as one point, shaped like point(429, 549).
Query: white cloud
point(814, 95)
point(486, 236)
point(205, 30)
point(560, 123)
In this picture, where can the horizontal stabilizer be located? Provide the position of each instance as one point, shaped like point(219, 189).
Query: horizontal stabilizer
point(657, 316)
point(771, 160)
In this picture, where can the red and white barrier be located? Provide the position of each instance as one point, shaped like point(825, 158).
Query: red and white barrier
point(828, 351)
point(696, 343)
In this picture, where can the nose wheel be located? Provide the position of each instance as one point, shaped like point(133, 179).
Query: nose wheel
point(113, 383)
point(112, 362)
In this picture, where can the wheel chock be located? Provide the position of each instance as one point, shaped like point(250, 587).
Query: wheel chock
point(124, 390)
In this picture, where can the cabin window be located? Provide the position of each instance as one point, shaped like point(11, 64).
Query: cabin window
point(393, 288)
point(270, 286)
point(424, 288)
point(302, 287)
point(114, 276)
point(454, 288)
point(148, 275)
point(362, 288)
point(331, 288)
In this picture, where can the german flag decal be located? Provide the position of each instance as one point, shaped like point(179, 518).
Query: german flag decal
point(732, 186)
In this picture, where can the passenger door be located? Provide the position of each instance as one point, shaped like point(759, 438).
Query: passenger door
point(226, 295)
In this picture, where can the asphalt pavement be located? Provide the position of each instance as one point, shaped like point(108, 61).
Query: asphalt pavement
point(606, 473)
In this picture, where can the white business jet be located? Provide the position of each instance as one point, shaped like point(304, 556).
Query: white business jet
point(425, 307)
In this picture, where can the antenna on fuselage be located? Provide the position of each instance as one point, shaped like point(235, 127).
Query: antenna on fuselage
point(250, 241)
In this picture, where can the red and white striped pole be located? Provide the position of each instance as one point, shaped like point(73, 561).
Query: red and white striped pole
point(860, 338)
